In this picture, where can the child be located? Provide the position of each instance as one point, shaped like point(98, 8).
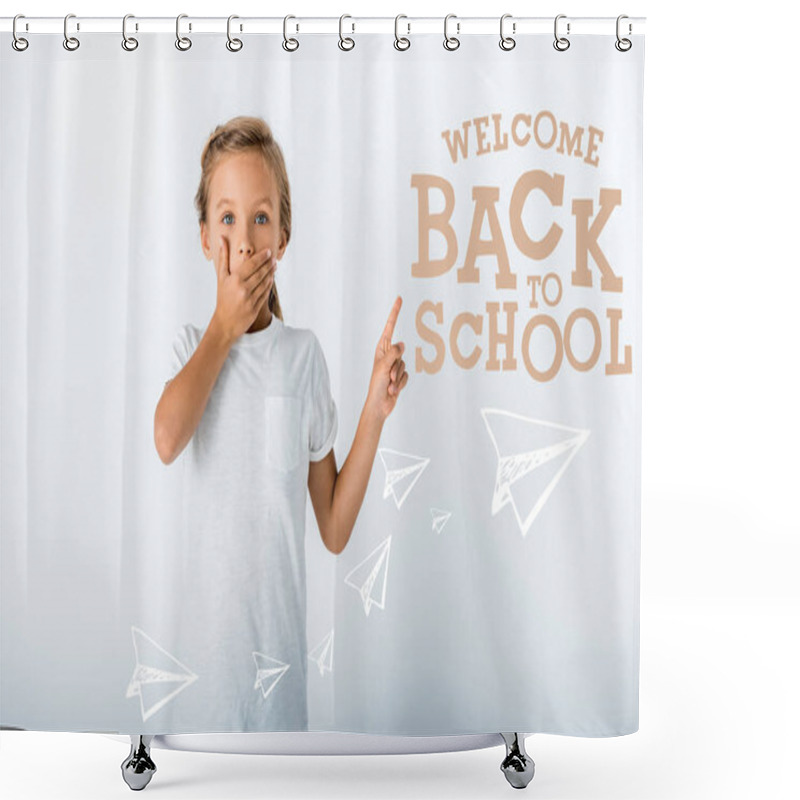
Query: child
point(251, 398)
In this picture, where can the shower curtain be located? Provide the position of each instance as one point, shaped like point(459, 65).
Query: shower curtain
point(454, 375)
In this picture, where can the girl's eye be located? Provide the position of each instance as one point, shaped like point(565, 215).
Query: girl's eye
point(257, 216)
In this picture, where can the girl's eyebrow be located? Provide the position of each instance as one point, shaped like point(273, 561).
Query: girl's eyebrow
point(258, 202)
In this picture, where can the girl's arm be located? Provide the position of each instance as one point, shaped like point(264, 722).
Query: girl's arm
point(184, 398)
point(240, 295)
point(337, 497)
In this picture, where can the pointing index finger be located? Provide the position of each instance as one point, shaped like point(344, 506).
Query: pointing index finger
point(389, 329)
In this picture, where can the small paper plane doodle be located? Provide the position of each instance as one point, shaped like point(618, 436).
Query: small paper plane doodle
point(157, 676)
point(532, 457)
point(268, 672)
point(440, 517)
point(402, 472)
point(322, 654)
point(369, 577)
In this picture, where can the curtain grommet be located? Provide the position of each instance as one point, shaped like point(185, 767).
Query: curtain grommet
point(289, 44)
point(451, 42)
point(70, 42)
point(233, 44)
point(623, 45)
point(507, 42)
point(183, 43)
point(17, 41)
point(342, 39)
point(129, 43)
point(397, 38)
point(560, 40)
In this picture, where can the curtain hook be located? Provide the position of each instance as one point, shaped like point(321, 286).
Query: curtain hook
point(397, 38)
point(286, 42)
point(560, 39)
point(451, 42)
point(70, 42)
point(619, 43)
point(128, 42)
point(182, 42)
point(234, 45)
point(352, 43)
point(17, 41)
point(507, 42)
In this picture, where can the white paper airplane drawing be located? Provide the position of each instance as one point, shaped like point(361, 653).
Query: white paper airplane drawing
point(402, 472)
point(369, 577)
point(268, 672)
point(322, 654)
point(532, 456)
point(157, 676)
point(440, 517)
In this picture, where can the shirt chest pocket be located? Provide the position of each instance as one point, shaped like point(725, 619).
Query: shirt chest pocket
point(283, 432)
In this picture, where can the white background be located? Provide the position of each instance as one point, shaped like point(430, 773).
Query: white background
point(720, 605)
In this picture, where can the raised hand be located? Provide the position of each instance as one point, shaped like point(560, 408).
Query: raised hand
point(388, 371)
point(241, 292)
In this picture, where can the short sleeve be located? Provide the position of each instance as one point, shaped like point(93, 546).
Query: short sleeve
point(181, 351)
point(324, 417)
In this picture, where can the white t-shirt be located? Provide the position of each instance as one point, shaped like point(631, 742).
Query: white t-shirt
point(245, 473)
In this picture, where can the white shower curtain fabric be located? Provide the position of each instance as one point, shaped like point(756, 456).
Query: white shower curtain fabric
point(490, 581)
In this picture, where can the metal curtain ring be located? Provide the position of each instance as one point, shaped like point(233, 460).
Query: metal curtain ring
point(234, 45)
point(397, 39)
point(289, 44)
point(507, 42)
point(351, 43)
point(451, 42)
point(18, 42)
point(560, 40)
point(620, 42)
point(128, 42)
point(182, 42)
point(70, 42)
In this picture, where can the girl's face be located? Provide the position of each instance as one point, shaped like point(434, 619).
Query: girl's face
point(244, 208)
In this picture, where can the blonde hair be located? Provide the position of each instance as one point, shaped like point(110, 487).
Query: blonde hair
point(241, 134)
